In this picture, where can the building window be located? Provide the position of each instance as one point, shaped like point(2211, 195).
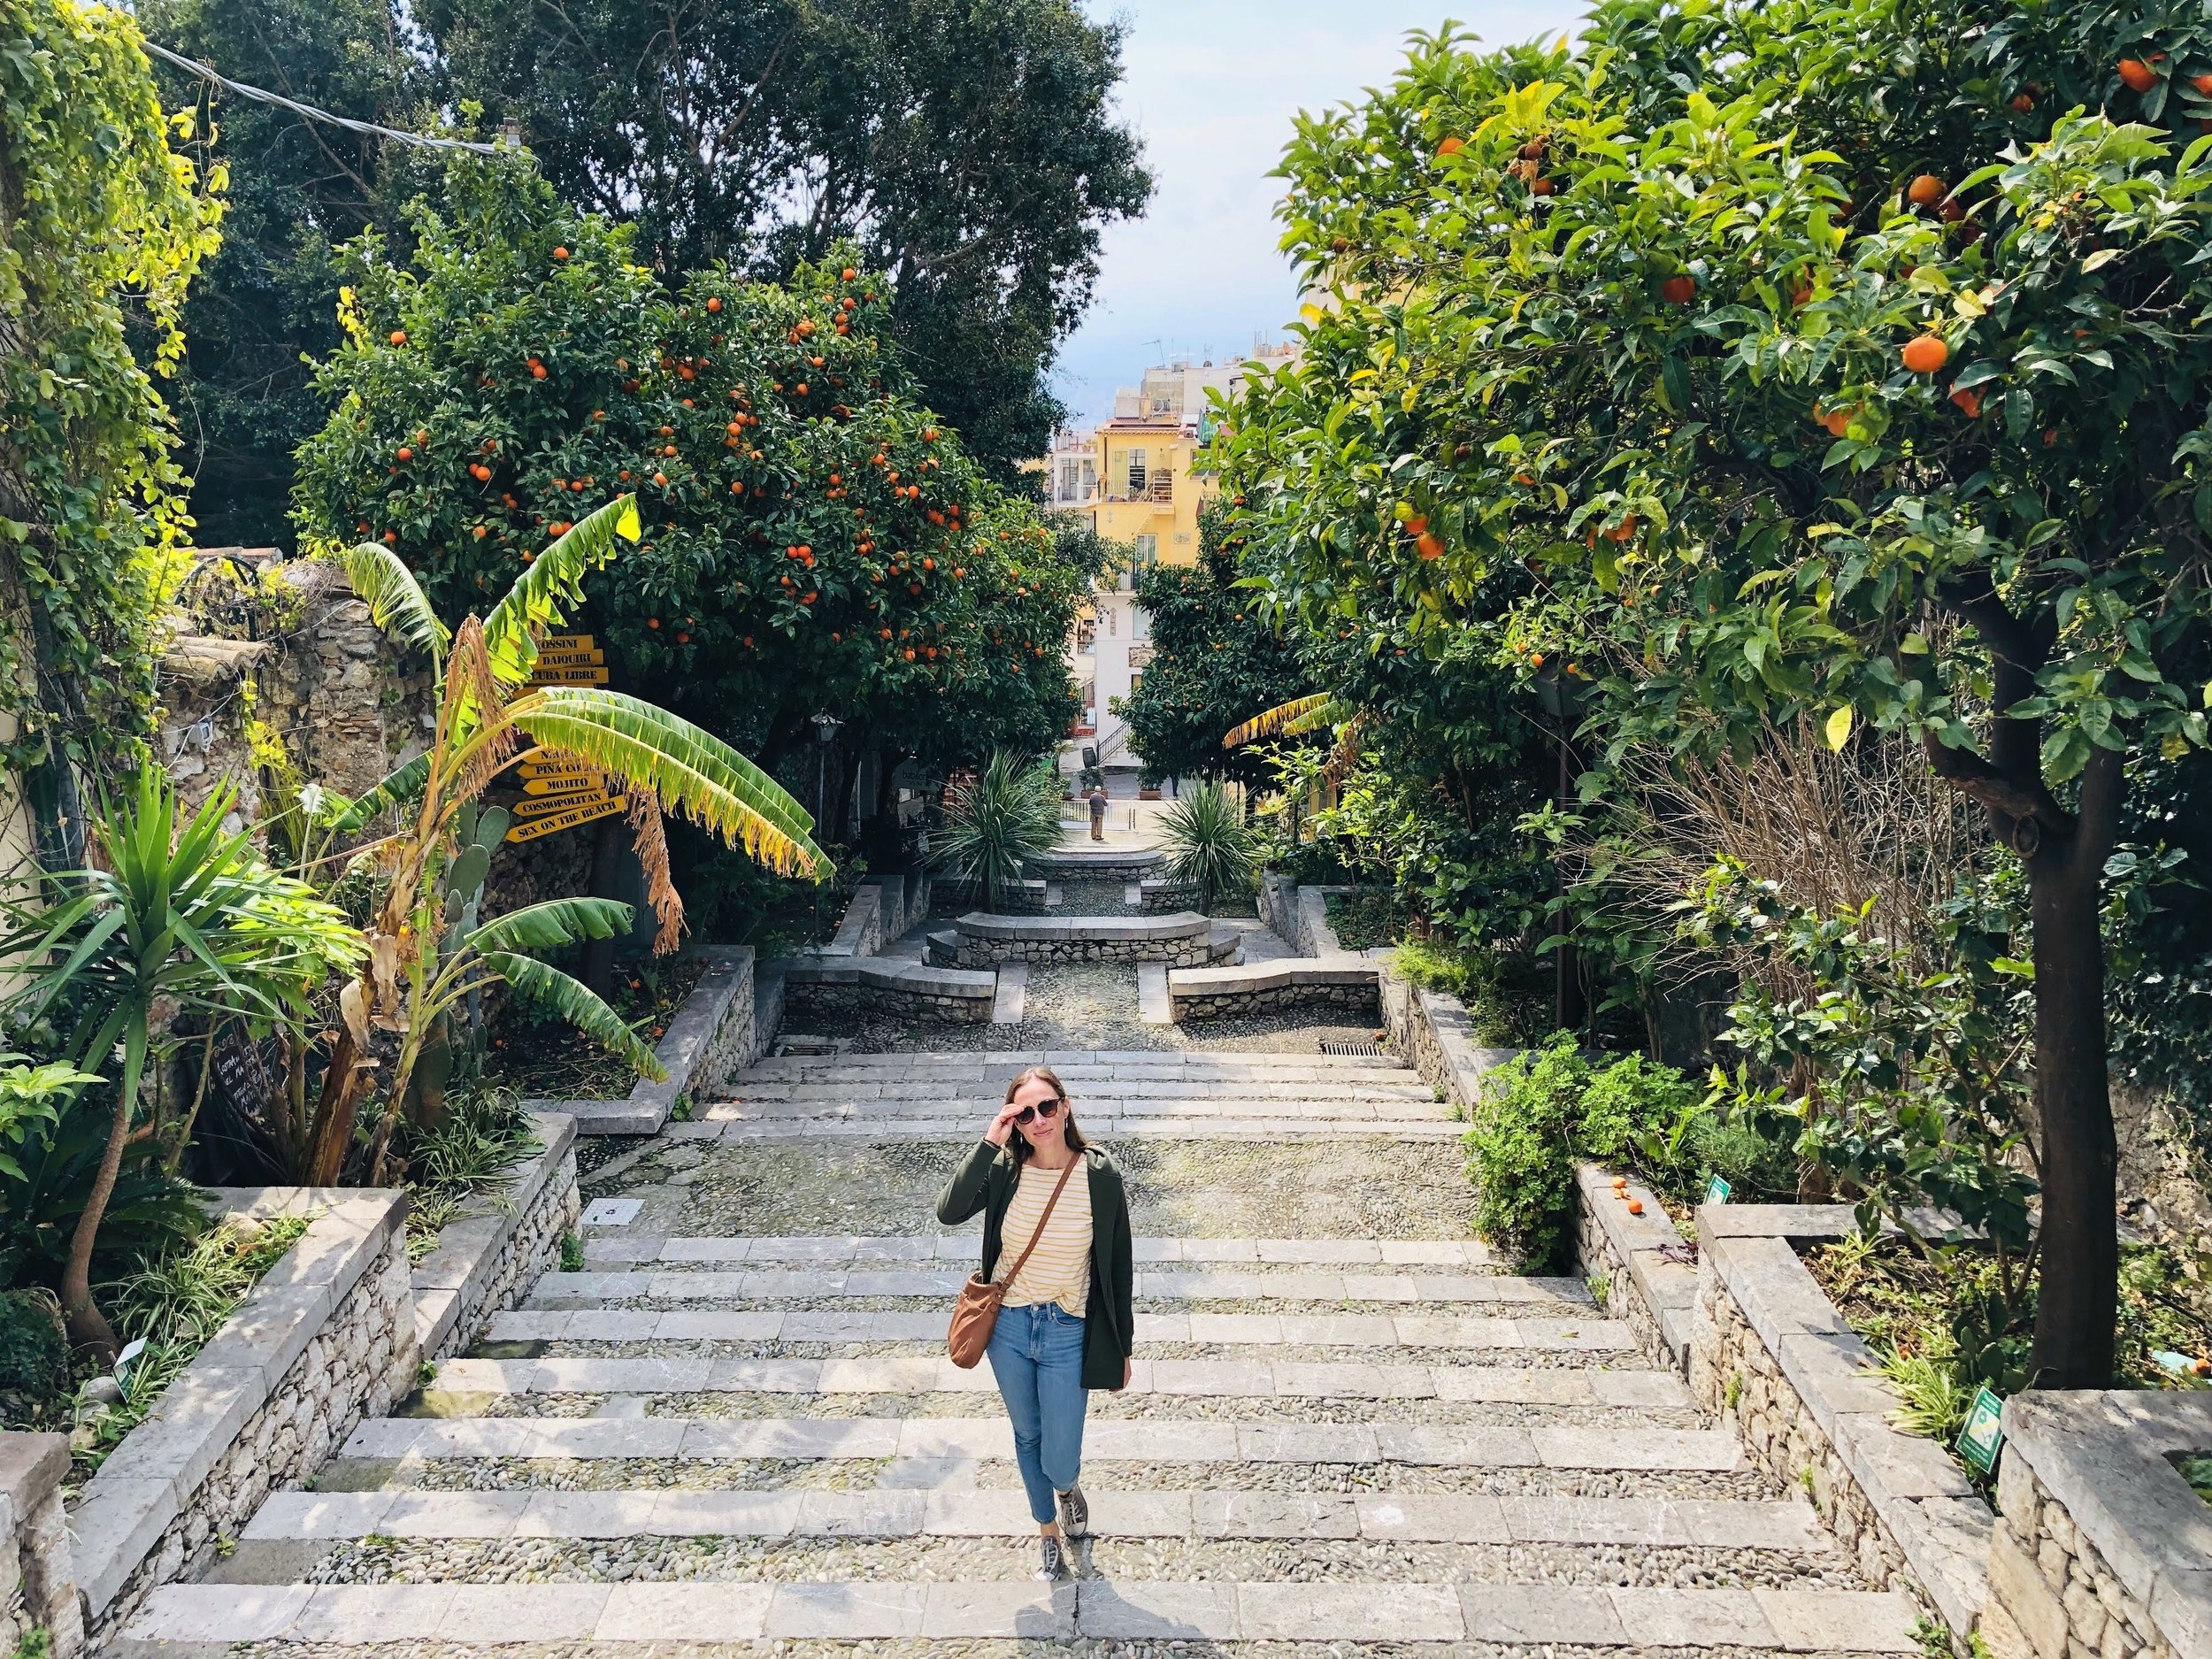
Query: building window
point(1136, 472)
point(1140, 624)
point(1085, 635)
point(1147, 551)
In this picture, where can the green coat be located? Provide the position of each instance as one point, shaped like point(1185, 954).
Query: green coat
point(986, 1181)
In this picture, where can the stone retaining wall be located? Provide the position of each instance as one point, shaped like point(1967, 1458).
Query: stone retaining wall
point(1164, 898)
point(1312, 935)
point(710, 1040)
point(489, 1257)
point(1260, 987)
point(900, 990)
point(38, 1585)
point(1433, 1030)
point(1647, 1267)
point(2102, 1552)
point(1022, 898)
point(324, 1339)
point(1182, 939)
point(1113, 864)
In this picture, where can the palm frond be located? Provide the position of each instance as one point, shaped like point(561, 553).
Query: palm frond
point(552, 583)
point(553, 923)
point(685, 769)
point(400, 788)
point(1279, 719)
point(396, 603)
point(576, 1002)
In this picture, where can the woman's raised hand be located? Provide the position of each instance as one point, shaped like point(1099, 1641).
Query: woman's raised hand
point(1001, 1129)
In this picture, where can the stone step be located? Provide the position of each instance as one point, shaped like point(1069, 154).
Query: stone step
point(1178, 1379)
point(1228, 1284)
point(961, 1245)
point(1415, 1331)
point(1140, 1440)
point(1072, 1065)
point(1181, 1127)
point(1795, 1621)
point(902, 1093)
point(1785, 1524)
point(1115, 1112)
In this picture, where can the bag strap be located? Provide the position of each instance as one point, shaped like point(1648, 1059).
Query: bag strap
point(1022, 1261)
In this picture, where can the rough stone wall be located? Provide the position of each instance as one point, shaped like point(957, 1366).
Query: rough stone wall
point(1433, 1030)
point(1023, 898)
point(1164, 898)
point(351, 1368)
point(1187, 952)
point(803, 997)
point(508, 1271)
point(1600, 1260)
point(2055, 1586)
point(1224, 1004)
point(38, 1587)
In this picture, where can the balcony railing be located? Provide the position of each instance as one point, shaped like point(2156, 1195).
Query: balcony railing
point(1159, 489)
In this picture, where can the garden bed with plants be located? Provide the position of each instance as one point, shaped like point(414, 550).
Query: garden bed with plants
point(543, 1057)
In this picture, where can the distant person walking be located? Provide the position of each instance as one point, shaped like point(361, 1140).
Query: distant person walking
point(1066, 1324)
point(1098, 812)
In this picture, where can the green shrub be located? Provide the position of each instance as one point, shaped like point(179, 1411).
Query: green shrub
point(1637, 1111)
point(34, 1355)
point(1208, 845)
point(1522, 1148)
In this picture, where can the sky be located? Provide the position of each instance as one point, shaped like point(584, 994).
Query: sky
point(1211, 86)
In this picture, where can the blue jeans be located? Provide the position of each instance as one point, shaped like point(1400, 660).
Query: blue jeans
point(1037, 1355)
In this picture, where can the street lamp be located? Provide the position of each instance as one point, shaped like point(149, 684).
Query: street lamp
point(824, 734)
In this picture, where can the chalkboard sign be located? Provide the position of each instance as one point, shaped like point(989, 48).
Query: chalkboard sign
point(243, 1077)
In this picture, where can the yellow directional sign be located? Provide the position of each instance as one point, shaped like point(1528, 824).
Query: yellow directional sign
point(570, 659)
point(538, 806)
point(569, 642)
point(544, 676)
point(556, 768)
point(569, 783)
point(531, 829)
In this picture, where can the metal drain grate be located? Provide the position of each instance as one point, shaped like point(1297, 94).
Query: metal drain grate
point(1344, 1045)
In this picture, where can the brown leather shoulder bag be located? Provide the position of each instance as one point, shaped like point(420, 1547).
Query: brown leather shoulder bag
point(976, 1311)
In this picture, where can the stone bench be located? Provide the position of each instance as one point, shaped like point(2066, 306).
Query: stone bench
point(1183, 939)
point(904, 990)
point(1219, 992)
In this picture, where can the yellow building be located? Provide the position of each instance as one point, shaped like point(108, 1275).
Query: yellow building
point(1132, 477)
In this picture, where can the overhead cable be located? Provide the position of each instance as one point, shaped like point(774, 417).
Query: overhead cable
point(261, 95)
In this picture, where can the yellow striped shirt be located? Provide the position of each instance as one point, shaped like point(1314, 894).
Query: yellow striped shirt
point(1059, 1269)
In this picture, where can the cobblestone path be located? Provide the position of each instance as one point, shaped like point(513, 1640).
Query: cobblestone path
point(1348, 1433)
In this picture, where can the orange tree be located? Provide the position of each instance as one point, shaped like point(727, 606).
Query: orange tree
point(814, 540)
point(1829, 362)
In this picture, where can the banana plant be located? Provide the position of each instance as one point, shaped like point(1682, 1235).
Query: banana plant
point(424, 953)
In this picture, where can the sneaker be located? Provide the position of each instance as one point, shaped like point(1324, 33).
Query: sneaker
point(1050, 1566)
point(1075, 1513)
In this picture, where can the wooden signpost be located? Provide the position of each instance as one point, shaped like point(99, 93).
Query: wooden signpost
point(541, 675)
point(569, 659)
point(585, 812)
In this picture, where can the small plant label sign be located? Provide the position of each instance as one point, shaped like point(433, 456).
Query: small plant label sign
point(1984, 1434)
point(1716, 1191)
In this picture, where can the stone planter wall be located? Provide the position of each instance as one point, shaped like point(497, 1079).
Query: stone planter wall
point(1431, 1029)
point(1257, 987)
point(1182, 939)
point(1769, 1350)
point(326, 1338)
point(38, 1584)
point(1649, 1271)
point(1312, 935)
point(1107, 864)
point(489, 1257)
point(900, 990)
point(1278, 903)
point(2102, 1552)
point(1028, 897)
point(1164, 898)
point(710, 1040)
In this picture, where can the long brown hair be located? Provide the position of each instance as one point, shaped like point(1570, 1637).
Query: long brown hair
point(1018, 1143)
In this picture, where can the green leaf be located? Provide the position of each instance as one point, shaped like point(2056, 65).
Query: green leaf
point(550, 586)
point(552, 923)
point(1838, 728)
point(395, 600)
point(574, 1001)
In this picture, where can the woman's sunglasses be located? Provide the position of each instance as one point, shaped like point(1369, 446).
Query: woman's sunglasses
point(1042, 1109)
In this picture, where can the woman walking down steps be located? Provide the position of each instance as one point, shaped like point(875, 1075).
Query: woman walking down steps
point(1067, 1321)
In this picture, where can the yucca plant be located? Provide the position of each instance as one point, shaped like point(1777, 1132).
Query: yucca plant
point(1208, 844)
point(424, 954)
point(994, 825)
point(185, 919)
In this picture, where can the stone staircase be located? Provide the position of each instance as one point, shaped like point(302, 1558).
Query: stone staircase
point(1347, 1445)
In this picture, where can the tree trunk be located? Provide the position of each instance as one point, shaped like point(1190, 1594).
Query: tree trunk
point(87, 1326)
point(2077, 1305)
point(606, 869)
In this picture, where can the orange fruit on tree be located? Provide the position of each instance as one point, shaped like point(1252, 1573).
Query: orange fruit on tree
point(1428, 546)
point(1925, 191)
point(1925, 354)
point(406, 454)
point(2023, 102)
point(2138, 75)
point(560, 253)
point(1679, 289)
point(399, 336)
point(1541, 185)
point(1451, 147)
point(1836, 420)
point(714, 302)
point(1968, 400)
point(848, 273)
